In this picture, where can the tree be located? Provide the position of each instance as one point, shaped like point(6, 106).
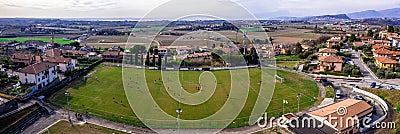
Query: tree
point(390, 29)
point(221, 45)
point(75, 44)
point(348, 69)
point(395, 29)
point(370, 33)
point(352, 38)
point(298, 49)
point(148, 59)
point(213, 45)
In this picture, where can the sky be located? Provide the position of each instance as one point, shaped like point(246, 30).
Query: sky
point(262, 9)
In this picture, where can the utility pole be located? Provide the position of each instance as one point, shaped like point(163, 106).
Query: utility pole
point(298, 102)
point(68, 108)
point(244, 42)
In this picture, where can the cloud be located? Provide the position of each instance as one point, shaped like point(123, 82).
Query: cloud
point(72, 5)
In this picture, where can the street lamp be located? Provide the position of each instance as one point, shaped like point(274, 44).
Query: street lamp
point(298, 102)
point(69, 117)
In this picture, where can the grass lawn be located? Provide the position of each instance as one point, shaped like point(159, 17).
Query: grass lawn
point(58, 40)
point(287, 58)
point(287, 64)
point(63, 127)
point(101, 95)
point(330, 92)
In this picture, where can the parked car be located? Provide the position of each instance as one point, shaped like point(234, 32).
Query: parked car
point(379, 86)
point(359, 97)
point(338, 94)
point(389, 87)
point(373, 84)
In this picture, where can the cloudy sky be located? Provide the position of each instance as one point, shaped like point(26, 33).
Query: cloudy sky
point(139, 8)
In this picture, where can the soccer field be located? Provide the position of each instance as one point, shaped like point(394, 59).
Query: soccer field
point(103, 95)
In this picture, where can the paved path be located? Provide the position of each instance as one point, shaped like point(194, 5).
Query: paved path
point(45, 122)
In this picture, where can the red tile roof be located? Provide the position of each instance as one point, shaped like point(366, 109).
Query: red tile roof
point(353, 108)
point(330, 59)
point(37, 68)
point(328, 50)
point(385, 60)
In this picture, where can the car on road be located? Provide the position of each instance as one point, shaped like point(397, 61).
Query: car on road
point(373, 84)
point(359, 97)
point(338, 94)
point(379, 86)
point(389, 87)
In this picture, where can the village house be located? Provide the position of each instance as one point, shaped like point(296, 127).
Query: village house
point(330, 116)
point(112, 56)
point(35, 44)
point(40, 74)
point(328, 63)
point(23, 60)
point(382, 42)
point(179, 50)
point(396, 42)
point(327, 52)
point(385, 62)
point(338, 37)
point(358, 44)
point(199, 57)
point(332, 43)
point(74, 54)
point(63, 64)
point(377, 47)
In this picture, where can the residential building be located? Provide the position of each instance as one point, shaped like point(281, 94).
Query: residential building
point(382, 42)
point(40, 74)
point(332, 43)
point(345, 122)
point(358, 44)
point(63, 64)
point(396, 42)
point(385, 62)
point(327, 52)
point(24, 59)
point(74, 54)
point(328, 63)
point(111, 56)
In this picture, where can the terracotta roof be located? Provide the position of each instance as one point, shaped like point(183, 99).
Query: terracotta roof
point(353, 107)
point(383, 52)
point(53, 52)
point(379, 46)
point(111, 53)
point(37, 68)
point(328, 50)
point(59, 60)
point(23, 56)
point(381, 41)
point(358, 44)
point(385, 60)
point(330, 59)
point(74, 52)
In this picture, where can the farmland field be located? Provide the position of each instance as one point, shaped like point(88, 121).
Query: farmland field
point(58, 40)
point(102, 95)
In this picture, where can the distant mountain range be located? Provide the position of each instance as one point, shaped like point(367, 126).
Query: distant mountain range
point(387, 13)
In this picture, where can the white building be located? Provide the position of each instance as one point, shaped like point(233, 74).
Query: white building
point(63, 64)
point(40, 74)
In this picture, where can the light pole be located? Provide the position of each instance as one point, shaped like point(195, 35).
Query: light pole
point(69, 117)
point(298, 102)
point(179, 110)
